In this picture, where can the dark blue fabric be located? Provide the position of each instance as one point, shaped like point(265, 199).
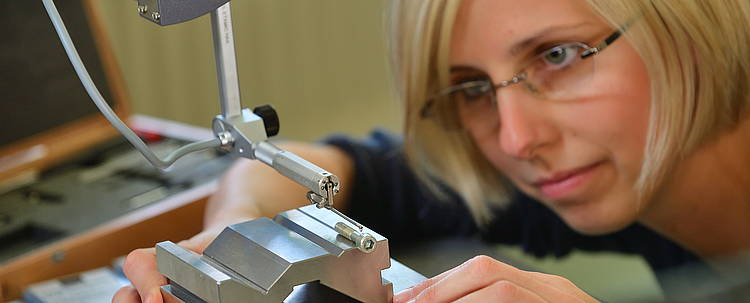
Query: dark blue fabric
point(387, 197)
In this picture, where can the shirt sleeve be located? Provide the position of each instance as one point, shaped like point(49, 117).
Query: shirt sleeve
point(387, 197)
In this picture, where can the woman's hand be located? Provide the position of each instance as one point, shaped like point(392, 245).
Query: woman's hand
point(483, 279)
point(140, 268)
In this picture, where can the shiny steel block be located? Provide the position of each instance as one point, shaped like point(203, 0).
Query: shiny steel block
point(262, 260)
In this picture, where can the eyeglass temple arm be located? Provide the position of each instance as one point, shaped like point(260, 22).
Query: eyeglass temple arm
point(607, 41)
point(601, 46)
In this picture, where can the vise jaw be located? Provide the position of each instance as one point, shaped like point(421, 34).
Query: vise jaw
point(266, 260)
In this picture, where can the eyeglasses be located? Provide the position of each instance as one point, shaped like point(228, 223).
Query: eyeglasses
point(555, 74)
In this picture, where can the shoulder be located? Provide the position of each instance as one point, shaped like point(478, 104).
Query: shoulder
point(379, 140)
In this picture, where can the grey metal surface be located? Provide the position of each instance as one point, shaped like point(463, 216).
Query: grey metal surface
point(263, 260)
point(226, 61)
point(240, 132)
point(168, 12)
point(294, 167)
point(401, 276)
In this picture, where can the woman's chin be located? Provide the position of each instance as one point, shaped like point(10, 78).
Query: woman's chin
point(592, 229)
point(598, 218)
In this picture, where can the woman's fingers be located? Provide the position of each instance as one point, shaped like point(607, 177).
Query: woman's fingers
point(199, 242)
point(407, 294)
point(127, 294)
point(140, 268)
point(483, 279)
point(502, 292)
point(473, 275)
point(563, 288)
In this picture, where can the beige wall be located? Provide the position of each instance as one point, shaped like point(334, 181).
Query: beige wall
point(322, 64)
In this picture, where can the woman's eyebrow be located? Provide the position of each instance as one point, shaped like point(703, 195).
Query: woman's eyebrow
point(522, 45)
point(463, 68)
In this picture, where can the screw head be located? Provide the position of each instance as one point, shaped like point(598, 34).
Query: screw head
point(225, 138)
point(366, 243)
point(142, 9)
point(155, 16)
point(369, 245)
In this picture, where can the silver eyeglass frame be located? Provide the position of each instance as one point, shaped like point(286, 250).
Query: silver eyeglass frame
point(427, 110)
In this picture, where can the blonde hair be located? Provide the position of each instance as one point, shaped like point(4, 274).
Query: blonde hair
point(698, 59)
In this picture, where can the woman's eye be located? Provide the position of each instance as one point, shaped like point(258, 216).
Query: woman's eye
point(560, 56)
point(476, 89)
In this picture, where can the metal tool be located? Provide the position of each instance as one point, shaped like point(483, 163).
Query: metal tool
point(259, 260)
point(263, 260)
point(240, 131)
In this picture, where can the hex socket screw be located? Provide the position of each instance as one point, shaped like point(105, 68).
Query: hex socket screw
point(364, 241)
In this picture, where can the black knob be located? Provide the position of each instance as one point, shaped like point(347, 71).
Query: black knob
point(270, 119)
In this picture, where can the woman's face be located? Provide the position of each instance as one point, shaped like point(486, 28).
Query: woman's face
point(579, 156)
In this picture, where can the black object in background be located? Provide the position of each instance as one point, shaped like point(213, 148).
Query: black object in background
point(39, 90)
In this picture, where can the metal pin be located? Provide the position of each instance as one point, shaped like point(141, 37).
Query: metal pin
point(364, 241)
point(329, 192)
point(350, 220)
point(328, 203)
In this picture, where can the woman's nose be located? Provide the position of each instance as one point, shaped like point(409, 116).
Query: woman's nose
point(523, 127)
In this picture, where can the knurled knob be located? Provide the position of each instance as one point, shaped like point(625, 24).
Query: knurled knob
point(270, 119)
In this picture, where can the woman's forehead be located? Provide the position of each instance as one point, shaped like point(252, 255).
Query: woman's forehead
point(506, 26)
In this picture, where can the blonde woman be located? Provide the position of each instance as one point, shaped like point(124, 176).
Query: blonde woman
point(556, 125)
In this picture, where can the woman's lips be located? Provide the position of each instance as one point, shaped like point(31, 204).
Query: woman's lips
point(564, 183)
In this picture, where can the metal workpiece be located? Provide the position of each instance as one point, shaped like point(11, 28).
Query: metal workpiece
point(194, 272)
point(263, 260)
point(168, 12)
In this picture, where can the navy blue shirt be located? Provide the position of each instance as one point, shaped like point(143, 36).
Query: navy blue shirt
point(387, 197)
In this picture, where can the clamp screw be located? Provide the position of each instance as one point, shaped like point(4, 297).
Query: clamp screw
point(364, 241)
point(225, 138)
point(142, 9)
point(155, 16)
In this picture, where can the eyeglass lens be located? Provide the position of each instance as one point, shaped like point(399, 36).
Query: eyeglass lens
point(554, 75)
